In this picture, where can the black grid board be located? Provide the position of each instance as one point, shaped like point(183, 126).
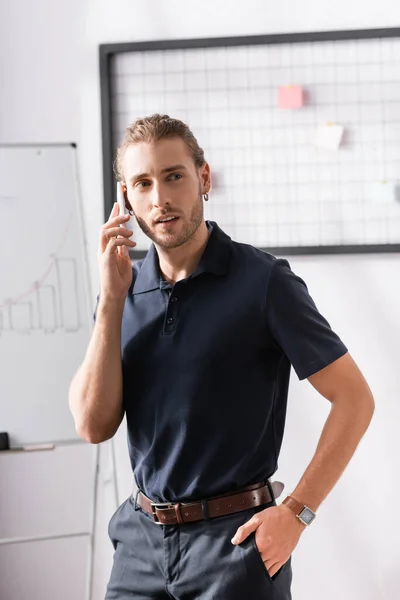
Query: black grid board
point(276, 190)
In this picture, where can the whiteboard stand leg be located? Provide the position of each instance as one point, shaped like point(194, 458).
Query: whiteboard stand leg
point(93, 518)
point(89, 595)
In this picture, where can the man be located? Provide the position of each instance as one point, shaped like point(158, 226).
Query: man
point(194, 344)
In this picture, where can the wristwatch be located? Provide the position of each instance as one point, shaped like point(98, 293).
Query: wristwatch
point(302, 512)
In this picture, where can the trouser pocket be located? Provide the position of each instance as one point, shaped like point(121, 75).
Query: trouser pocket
point(280, 573)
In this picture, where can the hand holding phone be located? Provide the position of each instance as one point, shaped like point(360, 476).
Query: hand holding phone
point(114, 262)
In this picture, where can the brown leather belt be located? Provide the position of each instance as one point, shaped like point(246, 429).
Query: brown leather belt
point(166, 513)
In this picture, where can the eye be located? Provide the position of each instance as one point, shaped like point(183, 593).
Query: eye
point(142, 184)
point(175, 177)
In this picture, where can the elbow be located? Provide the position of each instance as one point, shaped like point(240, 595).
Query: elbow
point(91, 423)
point(96, 431)
point(371, 402)
point(368, 403)
point(93, 435)
point(369, 409)
point(365, 409)
point(356, 408)
point(86, 427)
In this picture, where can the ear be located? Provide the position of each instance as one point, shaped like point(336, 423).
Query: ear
point(127, 203)
point(205, 178)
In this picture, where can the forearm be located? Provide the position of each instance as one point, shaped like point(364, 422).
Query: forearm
point(346, 424)
point(95, 394)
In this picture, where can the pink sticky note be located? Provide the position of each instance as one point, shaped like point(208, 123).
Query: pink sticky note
point(290, 96)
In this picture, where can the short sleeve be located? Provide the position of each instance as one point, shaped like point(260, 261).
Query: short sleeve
point(297, 326)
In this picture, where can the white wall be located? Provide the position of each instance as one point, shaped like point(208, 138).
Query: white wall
point(50, 82)
point(50, 92)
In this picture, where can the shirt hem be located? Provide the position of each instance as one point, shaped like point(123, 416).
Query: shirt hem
point(321, 362)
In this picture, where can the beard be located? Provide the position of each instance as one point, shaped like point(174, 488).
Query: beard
point(174, 240)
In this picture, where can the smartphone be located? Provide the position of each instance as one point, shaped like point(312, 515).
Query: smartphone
point(123, 211)
point(121, 199)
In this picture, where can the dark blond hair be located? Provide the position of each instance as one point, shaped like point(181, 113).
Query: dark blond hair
point(153, 129)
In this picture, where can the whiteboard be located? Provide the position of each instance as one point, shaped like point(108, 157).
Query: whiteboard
point(273, 187)
point(45, 308)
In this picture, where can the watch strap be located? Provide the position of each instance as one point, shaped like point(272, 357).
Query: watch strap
point(295, 506)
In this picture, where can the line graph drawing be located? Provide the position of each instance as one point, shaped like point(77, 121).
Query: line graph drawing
point(53, 302)
point(50, 303)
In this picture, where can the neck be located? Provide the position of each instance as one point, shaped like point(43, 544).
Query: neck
point(179, 263)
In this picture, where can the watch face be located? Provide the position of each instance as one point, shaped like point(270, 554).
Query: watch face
point(307, 516)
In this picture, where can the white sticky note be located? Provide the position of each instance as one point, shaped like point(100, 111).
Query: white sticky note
point(329, 136)
point(384, 192)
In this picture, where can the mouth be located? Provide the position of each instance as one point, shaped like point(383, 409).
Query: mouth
point(167, 222)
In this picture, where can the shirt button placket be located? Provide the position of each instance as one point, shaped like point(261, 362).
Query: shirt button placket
point(171, 314)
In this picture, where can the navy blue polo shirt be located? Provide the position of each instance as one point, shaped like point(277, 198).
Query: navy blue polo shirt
point(206, 366)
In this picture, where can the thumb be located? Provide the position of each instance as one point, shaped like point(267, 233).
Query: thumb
point(244, 531)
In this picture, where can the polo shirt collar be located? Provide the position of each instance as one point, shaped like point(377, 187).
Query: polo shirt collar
point(215, 259)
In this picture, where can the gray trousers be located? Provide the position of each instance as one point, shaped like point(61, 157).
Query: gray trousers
point(193, 561)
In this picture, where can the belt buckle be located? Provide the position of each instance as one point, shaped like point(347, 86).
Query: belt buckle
point(159, 505)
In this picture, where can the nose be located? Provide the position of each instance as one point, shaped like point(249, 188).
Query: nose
point(160, 198)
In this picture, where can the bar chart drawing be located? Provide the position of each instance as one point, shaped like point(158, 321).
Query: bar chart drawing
point(47, 309)
point(49, 305)
point(68, 294)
